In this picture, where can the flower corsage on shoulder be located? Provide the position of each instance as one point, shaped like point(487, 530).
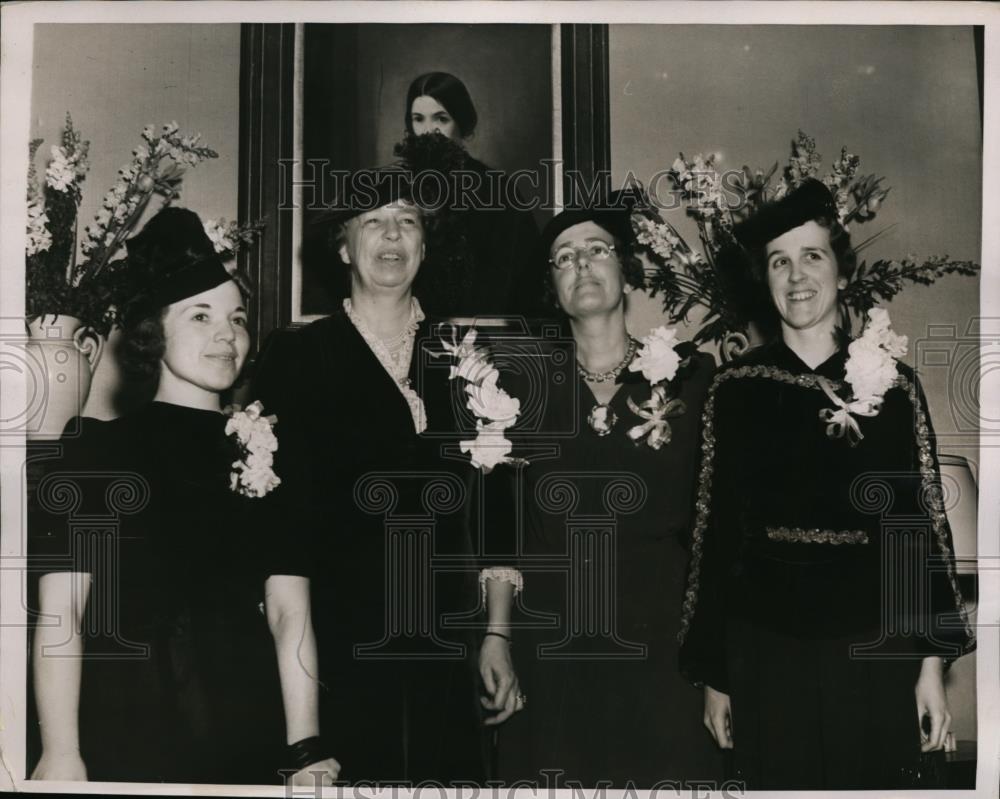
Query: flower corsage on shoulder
point(495, 410)
point(871, 370)
point(659, 362)
point(252, 475)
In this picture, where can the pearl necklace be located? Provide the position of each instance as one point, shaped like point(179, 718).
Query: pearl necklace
point(611, 374)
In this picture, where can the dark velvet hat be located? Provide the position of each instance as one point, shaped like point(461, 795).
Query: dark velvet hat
point(367, 189)
point(613, 214)
point(170, 259)
point(810, 200)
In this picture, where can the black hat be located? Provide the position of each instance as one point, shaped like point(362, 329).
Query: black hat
point(170, 259)
point(810, 200)
point(613, 214)
point(366, 190)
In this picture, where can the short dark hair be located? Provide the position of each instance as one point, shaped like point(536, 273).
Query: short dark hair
point(632, 267)
point(143, 345)
point(144, 339)
point(450, 92)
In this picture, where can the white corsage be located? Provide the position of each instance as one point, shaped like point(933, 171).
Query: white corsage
point(658, 361)
point(253, 476)
point(871, 371)
point(495, 410)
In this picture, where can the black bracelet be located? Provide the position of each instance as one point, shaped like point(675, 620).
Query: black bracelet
point(499, 635)
point(306, 752)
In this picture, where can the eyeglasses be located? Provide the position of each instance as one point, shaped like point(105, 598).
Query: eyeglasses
point(567, 257)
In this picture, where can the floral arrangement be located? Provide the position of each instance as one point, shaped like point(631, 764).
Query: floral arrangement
point(871, 371)
point(229, 237)
point(658, 360)
point(88, 282)
point(688, 277)
point(495, 410)
point(252, 475)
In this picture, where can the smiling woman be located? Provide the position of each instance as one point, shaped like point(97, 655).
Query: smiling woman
point(366, 406)
point(804, 276)
point(818, 671)
point(160, 642)
point(206, 343)
point(384, 247)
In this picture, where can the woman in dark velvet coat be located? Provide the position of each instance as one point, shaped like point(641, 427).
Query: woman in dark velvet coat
point(379, 509)
point(809, 521)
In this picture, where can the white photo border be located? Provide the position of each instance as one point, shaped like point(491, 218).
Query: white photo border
point(15, 97)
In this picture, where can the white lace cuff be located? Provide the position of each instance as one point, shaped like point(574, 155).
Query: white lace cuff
point(501, 575)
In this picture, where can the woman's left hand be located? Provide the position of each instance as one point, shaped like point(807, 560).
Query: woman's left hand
point(932, 702)
point(503, 692)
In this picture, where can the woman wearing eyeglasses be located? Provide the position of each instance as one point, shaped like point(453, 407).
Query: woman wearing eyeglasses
point(605, 549)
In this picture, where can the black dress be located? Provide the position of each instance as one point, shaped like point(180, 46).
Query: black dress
point(179, 679)
point(804, 547)
point(379, 518)
point(603, 580)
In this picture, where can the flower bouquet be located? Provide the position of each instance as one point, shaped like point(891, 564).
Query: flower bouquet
point(495, 410)
point(89, 284)
point(689, 277)
point(228, 238)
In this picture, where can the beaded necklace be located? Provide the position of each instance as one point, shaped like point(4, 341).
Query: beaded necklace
point(611, 374)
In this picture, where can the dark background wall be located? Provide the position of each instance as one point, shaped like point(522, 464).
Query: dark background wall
point(115, 79)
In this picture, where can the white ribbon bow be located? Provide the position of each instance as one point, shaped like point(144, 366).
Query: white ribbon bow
point(656, 410)
point(840, 421)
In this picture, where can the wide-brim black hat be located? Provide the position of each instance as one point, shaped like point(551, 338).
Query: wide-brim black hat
point(170, 259)
point(368, 189)
point(810, 200)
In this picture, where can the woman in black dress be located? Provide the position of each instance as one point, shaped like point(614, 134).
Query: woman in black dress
point(815, 508)
point(606, 556)
point(498, 276)
point(152, 656)
point(384, 513)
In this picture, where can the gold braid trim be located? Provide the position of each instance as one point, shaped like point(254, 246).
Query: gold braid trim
point(702, 506)
point(800, 535)
point(929, 482)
